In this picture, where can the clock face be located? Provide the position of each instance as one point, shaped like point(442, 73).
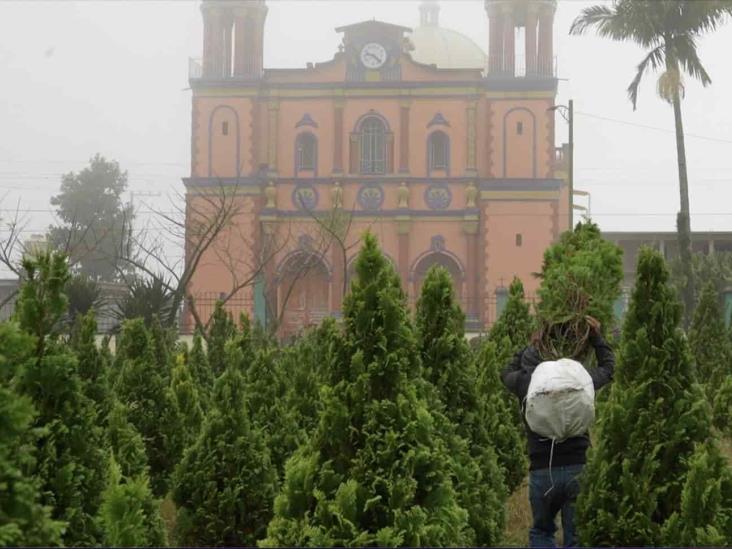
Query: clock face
point(373, 55)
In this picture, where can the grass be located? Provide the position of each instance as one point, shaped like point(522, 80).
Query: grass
point(167, 512)
point(726, 445)
point(518, 517)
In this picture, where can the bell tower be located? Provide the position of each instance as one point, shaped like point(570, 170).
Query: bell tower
point(429, 13)
point(233, 38)
point(537, 18)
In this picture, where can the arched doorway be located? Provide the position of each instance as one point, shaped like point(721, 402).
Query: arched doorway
point(443, 259)
point(302, 292)
point(351, 268)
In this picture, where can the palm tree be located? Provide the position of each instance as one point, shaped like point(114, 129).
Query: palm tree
point(668, 30)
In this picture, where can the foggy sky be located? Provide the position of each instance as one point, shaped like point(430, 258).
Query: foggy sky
point(77, 78)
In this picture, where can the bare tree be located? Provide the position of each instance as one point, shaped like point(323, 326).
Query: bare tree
point(13, 247)
point(330, 230)
point(205, 222)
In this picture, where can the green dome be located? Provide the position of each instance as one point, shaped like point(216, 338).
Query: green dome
point(446, 48)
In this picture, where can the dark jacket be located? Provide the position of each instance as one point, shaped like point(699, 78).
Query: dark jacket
point(516, 377)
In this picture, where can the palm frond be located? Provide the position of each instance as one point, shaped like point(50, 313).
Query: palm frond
point(683, 49)
point(655, 59)
point(633, 20)
point(702, 16)
point(594, 16)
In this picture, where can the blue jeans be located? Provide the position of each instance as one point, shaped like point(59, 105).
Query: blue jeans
point(547, 500)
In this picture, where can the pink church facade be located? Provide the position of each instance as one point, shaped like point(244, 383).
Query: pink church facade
point(455, 165)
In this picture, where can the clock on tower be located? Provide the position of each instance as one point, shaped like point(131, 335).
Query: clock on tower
point(373, 50)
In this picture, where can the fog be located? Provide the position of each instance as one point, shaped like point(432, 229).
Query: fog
point(77, 78)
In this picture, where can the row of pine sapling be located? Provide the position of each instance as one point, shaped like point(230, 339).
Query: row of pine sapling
point(384, 428)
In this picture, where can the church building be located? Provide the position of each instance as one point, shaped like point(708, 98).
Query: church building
point(443, 151)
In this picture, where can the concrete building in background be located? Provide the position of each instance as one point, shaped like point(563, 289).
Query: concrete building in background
point(666, 243)
point(445, 152)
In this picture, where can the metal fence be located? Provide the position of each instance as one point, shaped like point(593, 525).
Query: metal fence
point(480, 313)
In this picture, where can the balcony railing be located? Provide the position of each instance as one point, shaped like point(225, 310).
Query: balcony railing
point(518, 66)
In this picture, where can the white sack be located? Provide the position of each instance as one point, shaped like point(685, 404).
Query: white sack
point(560, 403)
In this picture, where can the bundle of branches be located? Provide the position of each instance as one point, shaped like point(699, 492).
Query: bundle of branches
point(580, 278)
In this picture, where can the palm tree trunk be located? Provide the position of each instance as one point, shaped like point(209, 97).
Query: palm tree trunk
point(683, 221)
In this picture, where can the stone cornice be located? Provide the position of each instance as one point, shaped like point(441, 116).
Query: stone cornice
point(492, 85)
point(484, 185)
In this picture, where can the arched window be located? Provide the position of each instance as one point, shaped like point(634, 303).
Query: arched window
point(438, 152)
point(373, 146)
point(306, 152)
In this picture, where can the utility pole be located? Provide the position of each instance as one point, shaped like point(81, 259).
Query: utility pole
point(570, 120)
point(567, 113)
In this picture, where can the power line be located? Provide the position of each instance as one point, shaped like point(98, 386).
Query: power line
point(654, 128)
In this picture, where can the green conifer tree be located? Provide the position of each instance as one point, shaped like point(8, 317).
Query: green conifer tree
point(162, 341)
point(129, 514)
point(376, 470)
point(703, 520)
point(92, 363)
point(142, 388)
point(185, 410)
point(516, 322)
point(70, 460)
point(655, 417)
point(125, 442)
point(16, 347)
point(502, 415)
point(581, 276)
point(225, 484)
point(510, 334)
point(448, 364)
point(722, 408)
point(265, 389)
point(221, 331)
point(305, 365)
point(24, 520)
point(201, 370)
point(711, 351)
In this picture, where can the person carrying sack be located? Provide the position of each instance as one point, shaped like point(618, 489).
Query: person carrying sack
point(558, 403)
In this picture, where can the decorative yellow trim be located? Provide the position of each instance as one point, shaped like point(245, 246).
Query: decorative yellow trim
point(225, 190)
point(519, 195)
point(227, 92)
point(390, 220)
point(470, 227)
point(332, 93)
point(520, 94)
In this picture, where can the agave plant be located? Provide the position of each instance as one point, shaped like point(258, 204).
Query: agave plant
point(146, 298)
point(84, 294)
